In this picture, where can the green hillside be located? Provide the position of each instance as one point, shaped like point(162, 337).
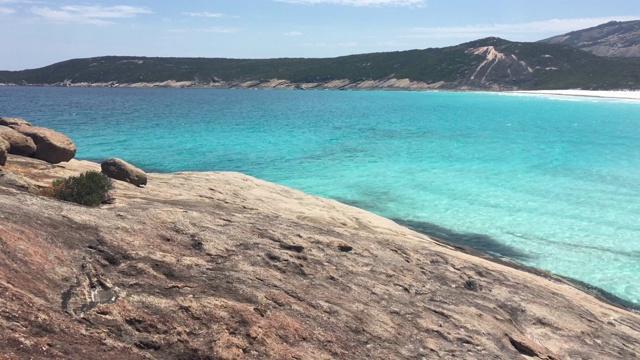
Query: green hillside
point(466, 66)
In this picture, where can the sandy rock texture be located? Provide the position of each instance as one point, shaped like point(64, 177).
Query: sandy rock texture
point(226, 266)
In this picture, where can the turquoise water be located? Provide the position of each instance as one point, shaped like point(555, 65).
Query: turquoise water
point(553, 183)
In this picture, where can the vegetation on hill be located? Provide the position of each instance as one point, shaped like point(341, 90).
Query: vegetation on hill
point(466, 66)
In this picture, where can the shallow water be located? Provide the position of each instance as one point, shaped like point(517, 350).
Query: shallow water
point(550, 182)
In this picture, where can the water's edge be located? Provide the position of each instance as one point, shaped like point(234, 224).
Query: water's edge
point(456, 240)
point(487, 248)
point(545, 182)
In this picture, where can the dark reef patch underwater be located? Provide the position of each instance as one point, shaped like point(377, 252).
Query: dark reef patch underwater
point(479, 242)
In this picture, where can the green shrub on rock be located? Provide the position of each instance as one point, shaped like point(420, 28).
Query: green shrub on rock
point(90, 188)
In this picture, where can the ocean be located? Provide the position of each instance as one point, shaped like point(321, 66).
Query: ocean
point(550, 182)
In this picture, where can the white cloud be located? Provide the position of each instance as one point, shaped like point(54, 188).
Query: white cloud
point(393, 44)
point(553, 26)
point(358, 2)
point(220, 30)
point(216, 29)
point(292, 33)
point(204, 14)
point(97, 15)
point(324, 45)
point(6, 11)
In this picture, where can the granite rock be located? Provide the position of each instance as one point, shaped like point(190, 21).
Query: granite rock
point(9, 121)
point(20, 144)
point(121, 170)
point(51, 146)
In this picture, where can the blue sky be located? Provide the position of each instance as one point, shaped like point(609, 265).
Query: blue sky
point(36, 33)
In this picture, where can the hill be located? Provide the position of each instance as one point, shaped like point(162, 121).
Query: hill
point(614, 39)
point(486, 64)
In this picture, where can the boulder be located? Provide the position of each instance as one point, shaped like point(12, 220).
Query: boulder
point(51, 146)
point(4, 150)
point(7, 121)
point(121, 170)
point(19, 144)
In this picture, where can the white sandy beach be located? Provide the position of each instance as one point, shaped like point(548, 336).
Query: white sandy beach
point(609, 94)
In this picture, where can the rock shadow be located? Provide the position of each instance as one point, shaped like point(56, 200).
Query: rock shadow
point(487, 245)
point(480, 242)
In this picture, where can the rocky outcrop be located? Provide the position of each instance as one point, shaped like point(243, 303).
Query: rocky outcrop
point(8, 121)
point(51, 146)
point(226, 266)
point(121, 170)
point(4, 150)
point(19, 144)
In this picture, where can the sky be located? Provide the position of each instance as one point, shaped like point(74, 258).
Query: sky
point(36, 33)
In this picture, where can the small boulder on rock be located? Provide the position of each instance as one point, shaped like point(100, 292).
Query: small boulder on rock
point(51, 146)
point(4, 149)
point(123, 171)
point(7, 121)
point(19, 144)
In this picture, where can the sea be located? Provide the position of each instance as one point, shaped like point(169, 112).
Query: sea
point(550, 182)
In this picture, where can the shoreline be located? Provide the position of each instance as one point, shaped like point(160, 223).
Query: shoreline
point(192, 245)
point(344, 84)
point(459, 246)
point(598, 293)
point(600, 94)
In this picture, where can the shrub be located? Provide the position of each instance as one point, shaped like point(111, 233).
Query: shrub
point(89, 188)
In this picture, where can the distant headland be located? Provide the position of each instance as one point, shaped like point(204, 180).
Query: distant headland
point(491, 64)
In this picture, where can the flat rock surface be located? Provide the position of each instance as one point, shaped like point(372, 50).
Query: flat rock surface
point(226, 266)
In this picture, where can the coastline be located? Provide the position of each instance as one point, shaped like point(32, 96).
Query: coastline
point(392, 84)
point(270, 84)
point(605, 285)
point(270, 270)
point(452, 242)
